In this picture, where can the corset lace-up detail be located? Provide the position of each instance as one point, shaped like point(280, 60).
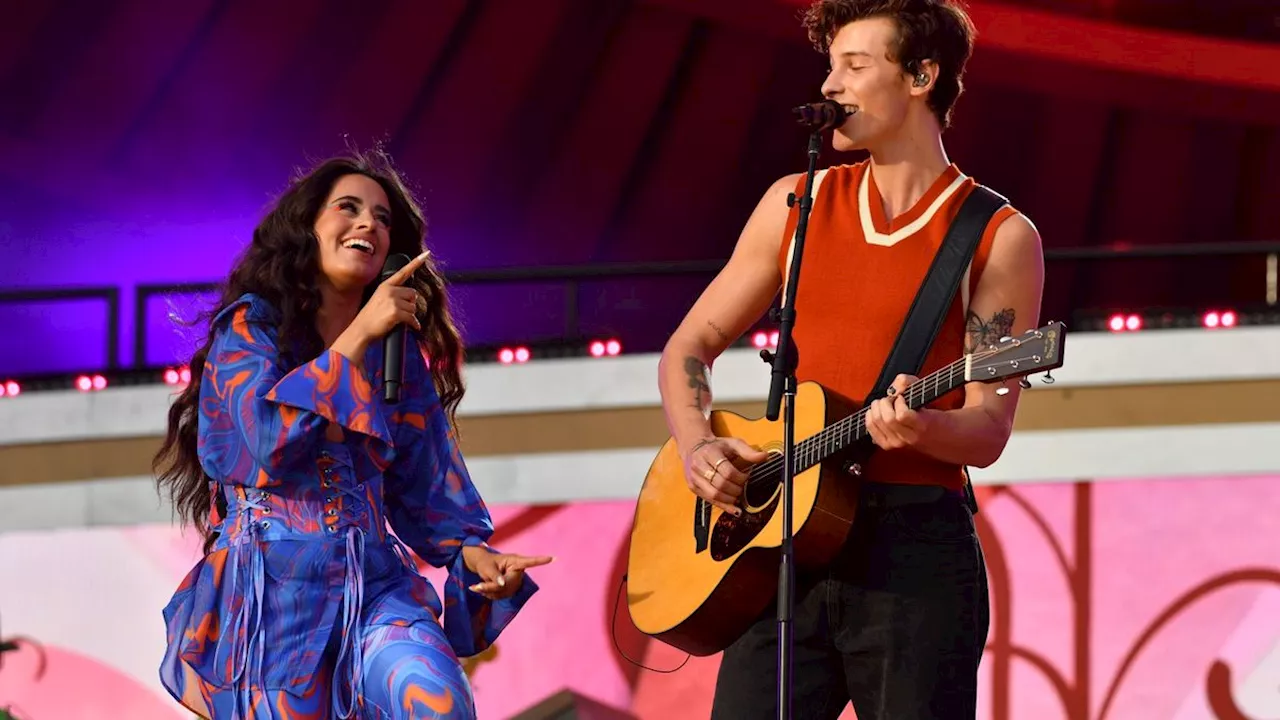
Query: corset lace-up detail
point(248, 648)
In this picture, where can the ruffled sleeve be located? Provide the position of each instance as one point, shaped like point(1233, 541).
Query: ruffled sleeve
point(253, 412)
point(436, 510)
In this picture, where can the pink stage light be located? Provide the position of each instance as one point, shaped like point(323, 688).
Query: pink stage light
point(1216, 319)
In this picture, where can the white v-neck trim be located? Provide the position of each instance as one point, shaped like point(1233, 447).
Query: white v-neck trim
point(874, 237)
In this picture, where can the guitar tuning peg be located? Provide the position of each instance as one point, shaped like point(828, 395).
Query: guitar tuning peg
point(1002, 391)
point(1024, 383)
point(1048, 378)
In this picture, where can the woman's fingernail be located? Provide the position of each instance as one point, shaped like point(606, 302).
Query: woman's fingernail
point(502, 581)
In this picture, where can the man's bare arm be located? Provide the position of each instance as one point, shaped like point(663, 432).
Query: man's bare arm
point(1005, 303)
point(735, 299)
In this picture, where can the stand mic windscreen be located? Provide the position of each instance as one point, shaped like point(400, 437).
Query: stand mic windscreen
point(820, 116)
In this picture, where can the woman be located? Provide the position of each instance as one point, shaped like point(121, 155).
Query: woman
point(304, 605)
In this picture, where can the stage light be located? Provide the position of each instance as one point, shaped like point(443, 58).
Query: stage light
point(1215, 319)
point(177, 376)
point(10, 389)
point(1154, 319)
point(90, 383)
point(509, 355)
point(1121, 322)
point(773, 339)
point(601, 348)
point(760, 339)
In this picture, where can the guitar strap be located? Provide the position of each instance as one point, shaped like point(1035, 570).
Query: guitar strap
point(936, 293)
point(934, 297)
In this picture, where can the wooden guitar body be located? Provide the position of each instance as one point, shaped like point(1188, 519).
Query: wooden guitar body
point(699, 577)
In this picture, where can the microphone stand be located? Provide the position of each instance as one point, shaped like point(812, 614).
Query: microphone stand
point(784, 360)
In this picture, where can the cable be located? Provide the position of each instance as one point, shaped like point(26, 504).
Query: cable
point(613, 630)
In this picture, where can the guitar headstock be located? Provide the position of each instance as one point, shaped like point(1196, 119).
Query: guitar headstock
point(1034, 351)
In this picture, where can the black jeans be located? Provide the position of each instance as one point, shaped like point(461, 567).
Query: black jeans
point(897, 625)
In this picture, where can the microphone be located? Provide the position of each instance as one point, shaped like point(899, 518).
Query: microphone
point(820, 116)
point(393, 343)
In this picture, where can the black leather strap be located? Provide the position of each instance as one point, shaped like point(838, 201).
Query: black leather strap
point(934, 297)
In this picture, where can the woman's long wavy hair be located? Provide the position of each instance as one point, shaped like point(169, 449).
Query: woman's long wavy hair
point(281, 265)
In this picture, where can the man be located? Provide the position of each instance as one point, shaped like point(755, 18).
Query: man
point(898, 622)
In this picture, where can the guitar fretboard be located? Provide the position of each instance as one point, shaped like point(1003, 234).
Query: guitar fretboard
point(844, 433)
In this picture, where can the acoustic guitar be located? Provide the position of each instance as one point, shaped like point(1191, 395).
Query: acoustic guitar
point(698, 577)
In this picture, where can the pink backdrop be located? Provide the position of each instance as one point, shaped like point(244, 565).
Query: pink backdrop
point(1118, 600)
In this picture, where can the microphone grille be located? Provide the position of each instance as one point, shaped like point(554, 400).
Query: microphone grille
point(822, 115)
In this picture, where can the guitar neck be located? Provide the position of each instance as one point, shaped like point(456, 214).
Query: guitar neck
point(852, 429)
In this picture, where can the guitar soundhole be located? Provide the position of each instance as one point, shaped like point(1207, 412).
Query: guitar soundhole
point(731, 534)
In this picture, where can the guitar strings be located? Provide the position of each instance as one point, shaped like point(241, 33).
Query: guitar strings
point(805, 447)
point(914, 393)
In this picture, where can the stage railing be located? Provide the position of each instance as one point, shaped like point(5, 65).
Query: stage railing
point(574, 275)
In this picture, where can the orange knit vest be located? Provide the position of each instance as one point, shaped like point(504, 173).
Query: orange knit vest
point(859, 275)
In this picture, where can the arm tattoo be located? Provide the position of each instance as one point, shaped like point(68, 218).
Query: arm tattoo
point(697, 372)
point(981, 333)
point(723, 335)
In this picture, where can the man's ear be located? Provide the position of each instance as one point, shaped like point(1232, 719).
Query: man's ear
point(925, 76)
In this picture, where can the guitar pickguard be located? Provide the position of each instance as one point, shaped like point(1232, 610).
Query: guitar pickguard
point(701, 525)
point(732, 534)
